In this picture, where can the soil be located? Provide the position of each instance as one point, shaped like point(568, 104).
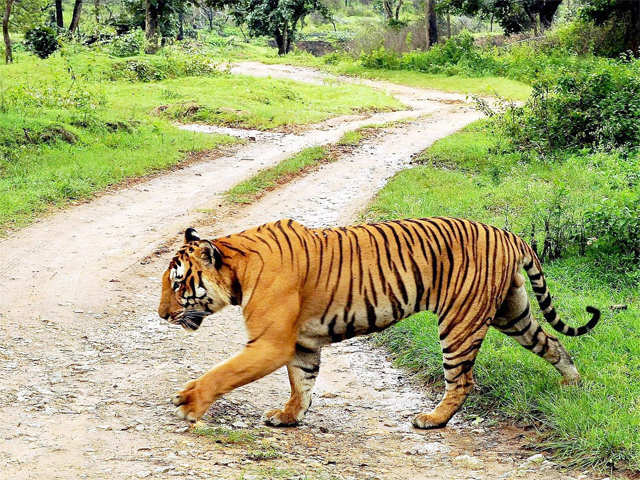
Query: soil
point(88, 368)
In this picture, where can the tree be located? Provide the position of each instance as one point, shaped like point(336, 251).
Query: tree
point(431, 22)
point(8, 55)
point(624, 13)
point(75, 19)
point(278, 18)
point(153, 9)
point(391, 9)
point(59, 19)
point(514, 16)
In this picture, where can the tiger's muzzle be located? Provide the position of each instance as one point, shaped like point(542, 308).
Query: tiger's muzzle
point(189, 319)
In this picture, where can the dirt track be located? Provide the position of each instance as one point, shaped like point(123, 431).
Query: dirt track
point(88, 368)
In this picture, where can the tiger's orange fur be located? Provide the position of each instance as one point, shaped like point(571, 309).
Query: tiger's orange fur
point(302, 288)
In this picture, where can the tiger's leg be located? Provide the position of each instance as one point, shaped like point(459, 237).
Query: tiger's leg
point(303, 371)
point(271, 349)
point(459, 355)
point(514, 319)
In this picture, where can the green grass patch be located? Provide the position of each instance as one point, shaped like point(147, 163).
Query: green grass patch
point(351, 138)
point(269, 178)
point(484, 86)
point(264, 451)
point(226, 436)
point(466, 175)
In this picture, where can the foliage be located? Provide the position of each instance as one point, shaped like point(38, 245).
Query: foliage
point(279, 19)
point(623, 13)
point(26, 15)
point(600, 109)
point(513, 15)
point(615, 224)
point(41, 40)
point(127, 44)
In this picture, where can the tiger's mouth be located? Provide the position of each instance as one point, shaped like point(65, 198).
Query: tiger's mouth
point(189, 319)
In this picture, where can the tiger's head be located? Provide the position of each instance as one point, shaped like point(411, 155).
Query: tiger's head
point(196, 284)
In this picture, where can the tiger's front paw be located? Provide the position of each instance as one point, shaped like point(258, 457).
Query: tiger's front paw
point(426, 421)
point(191, 402)
point(279, 418)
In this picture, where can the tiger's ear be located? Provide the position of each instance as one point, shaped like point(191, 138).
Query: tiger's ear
point(211, 254)
point(190, 235)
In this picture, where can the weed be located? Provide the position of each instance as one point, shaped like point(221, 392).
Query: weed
point(269, 178)
point(226, 436)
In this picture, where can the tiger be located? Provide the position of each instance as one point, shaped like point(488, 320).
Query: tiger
point(303, 288)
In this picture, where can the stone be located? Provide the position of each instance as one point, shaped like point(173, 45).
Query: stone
point(535, 459)
point(467, 461)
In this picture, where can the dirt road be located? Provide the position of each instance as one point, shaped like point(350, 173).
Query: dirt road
point(88, 368)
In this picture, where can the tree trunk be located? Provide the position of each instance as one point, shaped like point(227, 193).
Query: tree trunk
point(448, 24)
point(431, 22)
point(75, 19)
point(151, 27)
point(388, 10)
point(427, 22)
point(96, 10)
point(280, 43)
point(180, 26)
point(397, 13)
point(59, 19)
point(547, 11)
point(8, 54)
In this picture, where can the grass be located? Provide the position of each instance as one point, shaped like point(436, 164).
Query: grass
point(484, 86)
point(596, 423)
point(253, 188)
point(226, 436)
point(250, 190)
point(69, 129)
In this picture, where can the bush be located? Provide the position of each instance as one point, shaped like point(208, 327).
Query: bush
point(41, 40)
point(128, 44)
point(593, 110)
point(161, 67)
point(458, 55)
point(615, 224)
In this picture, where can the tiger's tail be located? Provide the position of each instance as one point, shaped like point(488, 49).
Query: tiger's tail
point(539, 286)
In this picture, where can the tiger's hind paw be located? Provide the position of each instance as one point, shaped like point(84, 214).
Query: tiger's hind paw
point(426, 421)
point(279, 418)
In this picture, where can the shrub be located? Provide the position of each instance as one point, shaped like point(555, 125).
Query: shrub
point(41, 40)
point(458, 55)
point(577, 110)
point(160, 67)
point(615, 224)
point(128, 44)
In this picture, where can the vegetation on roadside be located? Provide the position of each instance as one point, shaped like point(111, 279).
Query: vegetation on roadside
point(253, 188)
point(250, 190)
point(224, 435)
point(480, 174)
point(81, 120)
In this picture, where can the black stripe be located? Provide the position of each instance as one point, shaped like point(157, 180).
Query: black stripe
point(512, 323)
point(544, 304)
point(303, 349)
point(518, 333)
point(314, 369)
